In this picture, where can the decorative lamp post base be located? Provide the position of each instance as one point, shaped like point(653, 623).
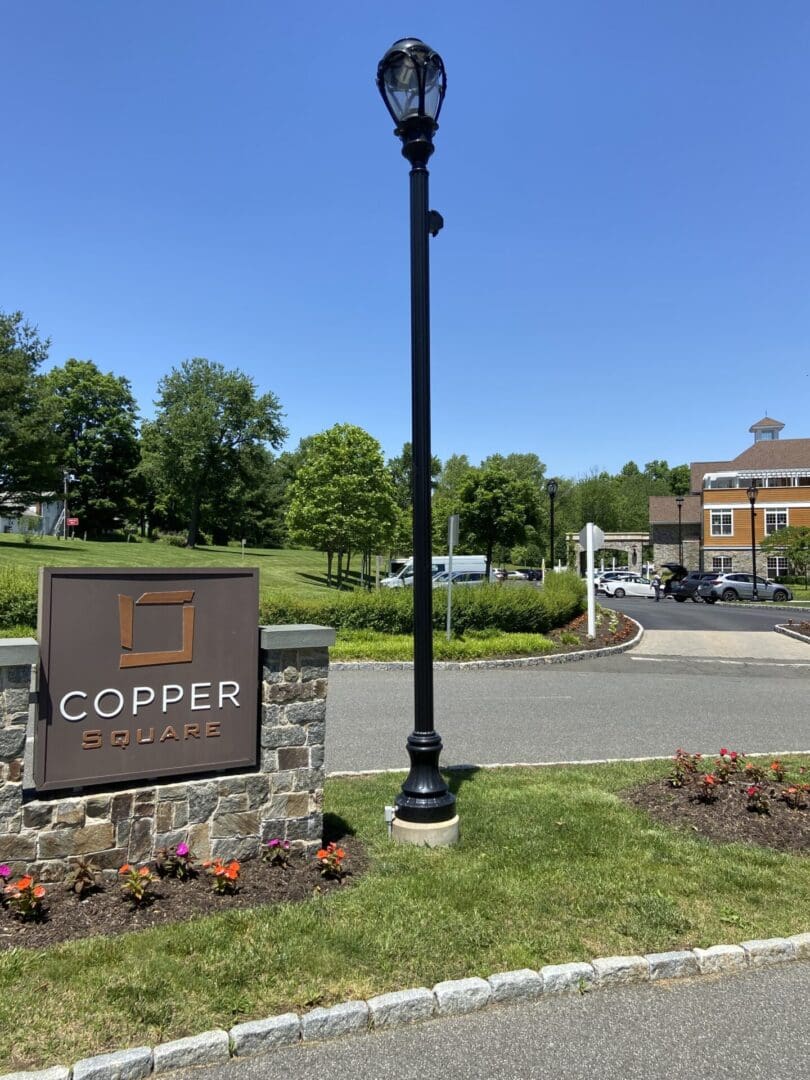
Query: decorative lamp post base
point(425, 833)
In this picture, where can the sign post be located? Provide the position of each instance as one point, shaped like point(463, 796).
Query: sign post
point(452, 540)
point(592, 539)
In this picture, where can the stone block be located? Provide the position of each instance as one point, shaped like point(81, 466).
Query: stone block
point(308, 828)
point(202, 801)
point(521, 985)
point(316, 734)
point(112, 859)
point(69, 812)
point(199, 841)
point(720, 958)
point(293, 757)
point(317, 757)
point(163, 818)
point(306, 712)
point(272, 715)
point(121, 808)
point(768, 951)
point(12, 743)
point(258, 1036)
point(17, 701)
point(284, 735)
point(10, 823)
point(19, 846)
point(11, 799)
point(280, 781)
point(256, 789)
point(232, 804)
point(401, 1007)
point(144, 806)
point(615, 970)
point(123, 831)
point(274, 827)
point(244, 824)
point(14, 770)
point(673, 965)
point(235, 847)
point(281, 693)
point(801, 946)
point(457, 996)
point(558, 978)
point(298, 804)
point(349, 1016)
point(179, 815)
point(210, 1048)
point(231, 785)
point(98, 807)
point(140, 840)
point(122, 1065)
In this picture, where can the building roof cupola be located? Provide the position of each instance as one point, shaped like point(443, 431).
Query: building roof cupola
point(766, 429)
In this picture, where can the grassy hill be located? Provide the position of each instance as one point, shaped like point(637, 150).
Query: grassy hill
point(299, 569)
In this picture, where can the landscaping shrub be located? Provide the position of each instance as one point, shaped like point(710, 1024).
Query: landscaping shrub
point(18, 597)
point(512, 609)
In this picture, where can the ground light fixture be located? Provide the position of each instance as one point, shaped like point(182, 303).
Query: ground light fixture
point(412, 81)
point(679, 504)
point(752, 498)
point(551, 491)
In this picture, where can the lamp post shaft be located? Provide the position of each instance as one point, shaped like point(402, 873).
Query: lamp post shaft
point(754, 552)
point(551, 529)
point(680, 536)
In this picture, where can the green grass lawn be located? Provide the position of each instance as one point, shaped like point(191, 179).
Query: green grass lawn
point(474, 645)
point(299, 569)
point(552, 867)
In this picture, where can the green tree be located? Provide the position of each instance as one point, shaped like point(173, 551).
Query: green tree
point(447, 501)
point(202, 441)
point(401, 470)
point(496, 507)
point(27, 448)
point(94, 419)
point(792, 542)
point(342, 499)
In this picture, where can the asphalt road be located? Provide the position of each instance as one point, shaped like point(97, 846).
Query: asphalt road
point(750, 1026)
point(732, 618)
point(624, 706)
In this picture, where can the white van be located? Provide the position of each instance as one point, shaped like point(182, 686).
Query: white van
point(438, 564)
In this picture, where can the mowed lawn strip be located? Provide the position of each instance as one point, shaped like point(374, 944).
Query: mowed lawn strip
point(552, 867)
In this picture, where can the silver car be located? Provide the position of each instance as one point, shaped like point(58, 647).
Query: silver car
point(741, 587)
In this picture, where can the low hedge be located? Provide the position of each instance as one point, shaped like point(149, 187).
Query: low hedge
point(510, 608)
point(18, 596)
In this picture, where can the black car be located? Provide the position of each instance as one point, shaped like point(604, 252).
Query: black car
point(687, 587)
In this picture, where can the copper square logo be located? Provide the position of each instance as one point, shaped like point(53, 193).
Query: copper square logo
point(126, 619)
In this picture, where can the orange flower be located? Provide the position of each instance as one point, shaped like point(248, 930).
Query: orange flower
point(39, 892)
point(232, 871)
point(321, 854)
point(125, 869)
point(341, 854)
point(144, 871)
point(24, 883)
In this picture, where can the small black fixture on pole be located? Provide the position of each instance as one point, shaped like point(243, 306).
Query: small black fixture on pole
point(412, 81)
point(551, 489)
point(752, 498)
point(679, 504)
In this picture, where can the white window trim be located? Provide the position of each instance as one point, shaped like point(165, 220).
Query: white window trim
point(721, 559)
point(776, 510)
point(719, 531)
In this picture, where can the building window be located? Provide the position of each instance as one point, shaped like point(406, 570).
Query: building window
point(721, 523)
point(779, 481)
point(777, 566)
point(803, 481)
point(775, 520)
point(721, 564)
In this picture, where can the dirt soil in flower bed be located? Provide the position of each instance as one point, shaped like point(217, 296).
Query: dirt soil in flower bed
point(799, 627)
point(107, 911)
point(623, 630)
point(727, 819)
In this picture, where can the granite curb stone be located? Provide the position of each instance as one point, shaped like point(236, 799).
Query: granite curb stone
point(210, 1048)
point(456, 996)
point(557, 978)
point(122, 1065)
point(767, 950)
point(621, 969)
point(256, 1036)
point(721, 958)
point(338, 1020)
point(521, 985)
point(402, 1007)
point(57, 1072)
point(673, 965)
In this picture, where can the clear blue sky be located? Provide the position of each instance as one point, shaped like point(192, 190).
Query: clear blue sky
point(626, 190)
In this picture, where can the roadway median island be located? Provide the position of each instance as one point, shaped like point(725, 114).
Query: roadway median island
point(572, 871)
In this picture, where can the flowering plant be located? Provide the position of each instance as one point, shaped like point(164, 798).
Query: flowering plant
point(707, 788)
point(726, 764)
point(84, 876)
point(331, 859)
point(796, 796)
point(176, 861)
point(136, 883)
point(685, 767)
point(757, 799)
point(5, 872)
point(754, 772)
point(25, 897)
point(777, 771)
point(224, 877)
point(277, 852)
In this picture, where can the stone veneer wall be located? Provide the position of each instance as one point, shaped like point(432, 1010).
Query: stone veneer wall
point(227, 816)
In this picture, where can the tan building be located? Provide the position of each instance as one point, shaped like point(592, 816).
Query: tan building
point(719, 510)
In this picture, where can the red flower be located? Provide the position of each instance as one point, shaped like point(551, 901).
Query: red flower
point(750, 792)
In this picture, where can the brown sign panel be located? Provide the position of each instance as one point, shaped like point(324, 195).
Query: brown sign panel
point(146, 673)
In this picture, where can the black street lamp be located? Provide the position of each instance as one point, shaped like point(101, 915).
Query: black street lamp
point(412, 81)
point(551, 489)
point(752, 498)
point(679, 504)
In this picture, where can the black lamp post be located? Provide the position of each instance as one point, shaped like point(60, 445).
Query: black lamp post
point(679, 504)
point(412, 81)
point(752, 498)
point(551, 488)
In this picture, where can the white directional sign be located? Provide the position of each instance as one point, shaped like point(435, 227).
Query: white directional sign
point(598, 538)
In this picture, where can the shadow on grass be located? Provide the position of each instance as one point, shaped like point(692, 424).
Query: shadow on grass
point(456, 775)
point(335, 828)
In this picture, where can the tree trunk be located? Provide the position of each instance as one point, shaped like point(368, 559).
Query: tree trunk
point(194, 523)
point(489, 559)
point(329, 556)
point(340, 570)
point(348, 562)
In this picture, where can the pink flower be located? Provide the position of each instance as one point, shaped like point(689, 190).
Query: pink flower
point(5, 871)
point(181, 850)
point(723, 751)
point(750, 792)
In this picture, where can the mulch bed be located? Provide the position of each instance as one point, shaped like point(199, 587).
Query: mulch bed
point(799, 627)
point(726, 819)
point(624, 631)
point(107, 912)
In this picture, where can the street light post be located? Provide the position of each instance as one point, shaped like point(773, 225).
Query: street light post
point(679, 504)
point(752, 498)
point(412, 81)
point(551, 489)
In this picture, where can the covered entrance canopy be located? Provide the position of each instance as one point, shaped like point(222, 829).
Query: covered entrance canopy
point(633, 543)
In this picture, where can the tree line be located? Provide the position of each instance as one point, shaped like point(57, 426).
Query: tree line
point(208, 467)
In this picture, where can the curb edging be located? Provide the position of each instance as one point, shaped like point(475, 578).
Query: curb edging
point(780, 628)
point(449, 998)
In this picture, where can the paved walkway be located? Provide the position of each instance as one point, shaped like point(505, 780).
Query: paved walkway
point(720, 644)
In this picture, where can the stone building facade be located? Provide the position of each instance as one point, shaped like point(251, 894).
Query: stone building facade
point(226, 816)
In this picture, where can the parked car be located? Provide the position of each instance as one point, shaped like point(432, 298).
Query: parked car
point(630, 585)
point(730, 587)
point(460, 577)
point(611, 575)
point(687, 588)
